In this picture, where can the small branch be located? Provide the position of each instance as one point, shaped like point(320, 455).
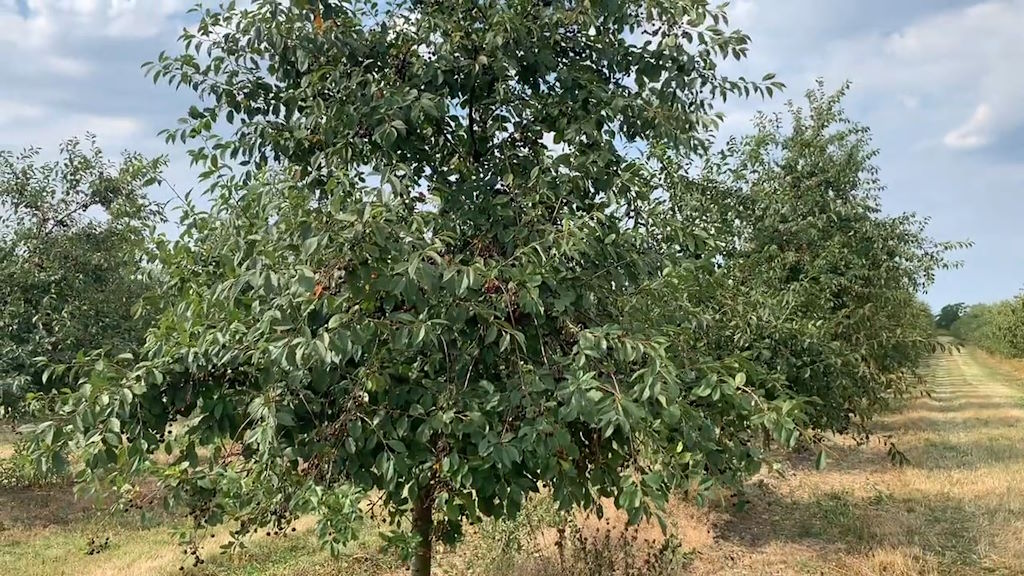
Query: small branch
point(472, 130)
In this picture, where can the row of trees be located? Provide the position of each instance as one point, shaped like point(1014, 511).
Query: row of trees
point(997, 328)
point(949, 314)
point(403, 289)
point(73, 233)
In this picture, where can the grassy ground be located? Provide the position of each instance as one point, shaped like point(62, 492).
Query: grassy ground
point(956, 508)
point(7, 437)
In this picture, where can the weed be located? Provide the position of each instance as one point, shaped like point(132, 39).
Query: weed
point(19, 470)
point(880, 498)
point(835, 508)
point(611, 552)
point(501, 544)
point(97, 544)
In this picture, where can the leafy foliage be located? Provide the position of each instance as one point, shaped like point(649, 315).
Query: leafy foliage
point(610, 553)
point(815, 285)
point(402, 289)
point(19, 470)
point(949, 314)
point(997, 328)
point(457, 253)
point(72, 236)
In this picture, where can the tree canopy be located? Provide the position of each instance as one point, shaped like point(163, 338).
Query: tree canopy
point(949, 314)
point(997, 328)
point(461, 252)
point(821, 287)
point(72, 238)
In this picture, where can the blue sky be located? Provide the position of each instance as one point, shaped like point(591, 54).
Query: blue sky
point(937, 80)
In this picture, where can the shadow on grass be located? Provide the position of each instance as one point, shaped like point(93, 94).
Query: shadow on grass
point(961, 427)
point(949, 530)
point(940, 454)
point(948, 423)
point(979, 405)
point(40, 508)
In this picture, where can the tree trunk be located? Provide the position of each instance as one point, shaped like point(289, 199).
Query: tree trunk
point(423, 526)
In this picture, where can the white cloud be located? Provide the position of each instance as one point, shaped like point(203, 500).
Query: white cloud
point(113, 18)
point(956, 64)
point(933, 79)
point(22, 38)
point(47, 127)
point(49, 33)
point(73, 67)
point(553, 148)
point(118, 129)
point(975, 133)
point(743, 13)
point(12, 111)
point(739, 120)
point(910, 102)
point(968, 59)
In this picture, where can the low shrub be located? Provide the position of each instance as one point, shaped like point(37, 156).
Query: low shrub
point(19, 470)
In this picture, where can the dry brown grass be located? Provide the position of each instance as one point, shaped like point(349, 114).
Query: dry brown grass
point(7, 439)
point(956, 508)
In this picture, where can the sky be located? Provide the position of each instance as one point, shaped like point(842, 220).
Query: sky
point(936, 80)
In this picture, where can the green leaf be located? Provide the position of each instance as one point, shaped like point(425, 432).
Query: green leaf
point(306, 280)
point(309, 246)
point(285, 417)
point(821, 460)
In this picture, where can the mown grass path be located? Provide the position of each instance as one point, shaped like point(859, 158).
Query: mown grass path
point(956, 508)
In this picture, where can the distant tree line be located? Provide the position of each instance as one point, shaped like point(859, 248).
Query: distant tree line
point(949, 314)
point(997, 328)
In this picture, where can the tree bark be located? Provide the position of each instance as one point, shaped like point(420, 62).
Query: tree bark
point(423, 526)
